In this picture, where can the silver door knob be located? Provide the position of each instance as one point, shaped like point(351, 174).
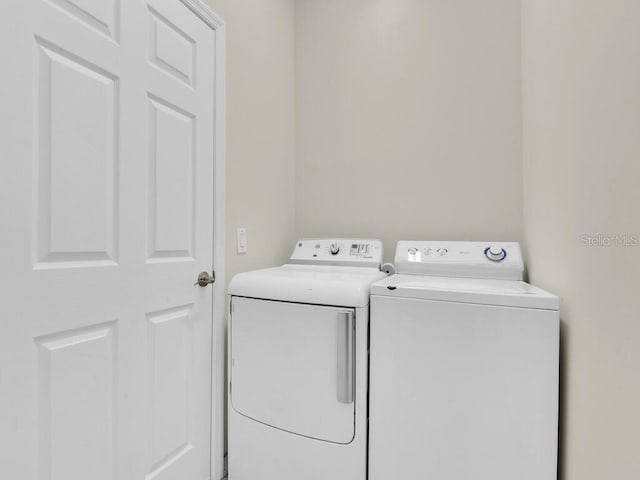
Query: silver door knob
point(205, 279)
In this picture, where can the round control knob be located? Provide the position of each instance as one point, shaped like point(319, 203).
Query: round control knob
point(413, 251)
point(495, 253)
point(334, 248)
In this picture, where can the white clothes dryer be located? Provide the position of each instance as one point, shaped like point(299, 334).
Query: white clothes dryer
point(298, 339)
point(464, 367)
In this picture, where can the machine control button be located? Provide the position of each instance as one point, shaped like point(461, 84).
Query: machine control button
point(334, 248)
point(413, 251)
point(427, 251)
point(495, 253)
point(442, 251)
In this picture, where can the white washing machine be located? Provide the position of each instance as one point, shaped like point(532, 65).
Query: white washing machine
point(298, 364)
point(464, 367)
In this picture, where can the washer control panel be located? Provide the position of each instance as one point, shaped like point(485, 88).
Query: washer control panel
point(497, 260)
point(356, 252)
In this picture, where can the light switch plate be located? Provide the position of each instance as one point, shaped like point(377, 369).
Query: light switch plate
point(241, 240)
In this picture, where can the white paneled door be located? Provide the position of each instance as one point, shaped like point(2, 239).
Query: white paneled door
point(107, 175)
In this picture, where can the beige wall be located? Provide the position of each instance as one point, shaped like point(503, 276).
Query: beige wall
point(260, 129)
point(409, 122)
point(582, 177)
point(408, 119)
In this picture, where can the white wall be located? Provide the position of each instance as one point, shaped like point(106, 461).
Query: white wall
point(582, 177)
point(260, 129)
point(408, 119)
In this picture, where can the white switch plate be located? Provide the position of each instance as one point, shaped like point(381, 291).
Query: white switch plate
point(241, 240)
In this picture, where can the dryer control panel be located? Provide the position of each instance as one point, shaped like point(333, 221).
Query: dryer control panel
point(493, 260)
point(354, 252)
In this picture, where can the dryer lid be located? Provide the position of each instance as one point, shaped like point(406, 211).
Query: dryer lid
point(466, 290)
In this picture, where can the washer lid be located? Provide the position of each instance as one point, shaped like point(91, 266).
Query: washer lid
point(466, 290)
point(316, 284)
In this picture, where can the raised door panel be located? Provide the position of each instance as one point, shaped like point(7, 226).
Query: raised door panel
point(100, 15)
point(76, 403)
point(171, 397)
point(284, 367)
point(77, 135)
point(171, 49)
point(171, 182)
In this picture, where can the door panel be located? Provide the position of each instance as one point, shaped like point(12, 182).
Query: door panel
point(100, 15)
point(170, 334)
point(171, 182)
point(76, 105)
point(76, 402)
point(107, 219)
point(171, 48)
point(285, 363)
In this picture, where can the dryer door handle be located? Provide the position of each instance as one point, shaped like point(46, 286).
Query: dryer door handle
point(346, 340)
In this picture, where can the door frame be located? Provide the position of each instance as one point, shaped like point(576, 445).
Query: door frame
point(213, 21)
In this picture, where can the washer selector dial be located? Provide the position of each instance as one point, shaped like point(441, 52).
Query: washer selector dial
point(334, 248)
point(495, 253)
